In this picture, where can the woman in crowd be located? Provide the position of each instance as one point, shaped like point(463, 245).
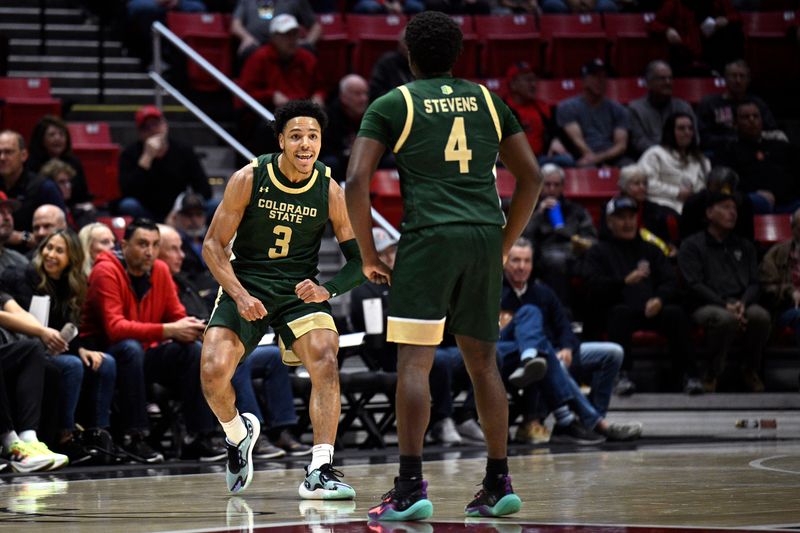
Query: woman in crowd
point(51, 140)
point(95, 238)
point(56, 271)
point(676, 167)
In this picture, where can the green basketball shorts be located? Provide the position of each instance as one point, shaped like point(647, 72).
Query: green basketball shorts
point(453, 272)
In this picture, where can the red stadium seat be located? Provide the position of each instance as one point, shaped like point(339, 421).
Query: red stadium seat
point(373, 35)
point(591, 187)
point(209, 35)
point(333, 48)
point(554, 91)
point(625, 90)
point(631, 46)
point(23, 101)
point(496, 85)
point(772, 229)
point(467, 64)
point(770, 51)
point(386, 198)
point(694, 89)
point(91, 143)
point(506, 40)
point(572, 41)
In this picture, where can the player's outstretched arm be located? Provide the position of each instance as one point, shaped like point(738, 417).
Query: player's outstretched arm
point(517, 156)
point(364, 158)
point(221, 232)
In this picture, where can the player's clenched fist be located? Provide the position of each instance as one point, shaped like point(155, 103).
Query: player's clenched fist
point(310, 292)
point(250, 308)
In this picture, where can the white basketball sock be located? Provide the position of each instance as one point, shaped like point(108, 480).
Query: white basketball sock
point(235, 429)
point(321, 454)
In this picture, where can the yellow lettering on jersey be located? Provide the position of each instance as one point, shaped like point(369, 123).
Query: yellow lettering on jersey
point(457, 104)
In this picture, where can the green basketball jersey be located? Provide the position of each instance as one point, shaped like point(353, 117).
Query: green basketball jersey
point(280, 232)
point(445, 134)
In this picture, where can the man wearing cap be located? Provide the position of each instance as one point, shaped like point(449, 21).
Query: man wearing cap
point(720, 270)
point(649, 113)
point(189, 218)
point(28, 189)
point(154, 170)
point(633, 285)
point(596, 126)
point(280, 70)
point(720, 179)
point(251, 21)
point(535, 116)
point(8, 258)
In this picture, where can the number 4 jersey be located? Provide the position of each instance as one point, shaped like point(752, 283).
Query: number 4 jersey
point(280, 232)
point(445, 134)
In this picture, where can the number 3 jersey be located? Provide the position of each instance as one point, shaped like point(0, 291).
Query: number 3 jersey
point(445, 134)
point(280, 232)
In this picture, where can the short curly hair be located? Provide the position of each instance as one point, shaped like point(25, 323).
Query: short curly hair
point(298, 108)
point(434, 42)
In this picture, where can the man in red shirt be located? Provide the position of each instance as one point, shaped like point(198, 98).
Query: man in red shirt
point(534, 115)
point(132, 312)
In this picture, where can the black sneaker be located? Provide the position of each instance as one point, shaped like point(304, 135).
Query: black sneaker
point(625, 386)
point(71, 448)
point(532, 371)
point(574, 433)
point(136, 447)
point(621, 431)
point(500, 501)
point(395, 505)
point(693, 386)
point(291, 445)
point(203, 449)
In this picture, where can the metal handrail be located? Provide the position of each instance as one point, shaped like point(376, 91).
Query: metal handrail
point(160, 30)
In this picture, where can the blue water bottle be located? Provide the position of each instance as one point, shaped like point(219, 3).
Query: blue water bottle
point(556, 217)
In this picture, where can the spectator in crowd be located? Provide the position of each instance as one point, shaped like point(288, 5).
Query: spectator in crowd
point(769, 169)
point(28, 188)
point(391, 70)
point(721, 273)
point(392, 7)
point(132, 308)
point(265, 361)
point(650, 113)
point(51, 140)
point(344, 114)
point(446, 427)
point(516, 7)
point(720, 179)
point(676, 167)
point(561, 231)
point(280, 70)
point(779, 275)
point(157, 162)
point(62, 175)
point(9, 259)
point(22, 363)
point(459, 7)
point(189, 218)
point(596, 126)
point(579, 6)
point(657, 224)
point(634, 287)
point(537, 315)
point(702, 35)
point(95, 238)
point(717, 112)
point(251, 21)
point(56, 272)
point(47, 219)
point(142, 14)
point(535, 116)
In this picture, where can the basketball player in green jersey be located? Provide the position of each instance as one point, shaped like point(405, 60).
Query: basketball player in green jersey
point(277, 208)
point(446, 134)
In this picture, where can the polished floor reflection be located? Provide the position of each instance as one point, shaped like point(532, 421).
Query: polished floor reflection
point(746, 485)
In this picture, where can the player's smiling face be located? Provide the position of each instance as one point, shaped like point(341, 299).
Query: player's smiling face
point(300, 142)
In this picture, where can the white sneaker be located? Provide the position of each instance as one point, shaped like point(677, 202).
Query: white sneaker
point(470, 430)
point(444, 432)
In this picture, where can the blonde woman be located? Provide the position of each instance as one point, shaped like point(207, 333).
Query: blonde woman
point(95, 238)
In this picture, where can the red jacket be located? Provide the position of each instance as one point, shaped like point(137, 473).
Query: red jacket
point(264, 73)
point(112, 313)
point(676, 14)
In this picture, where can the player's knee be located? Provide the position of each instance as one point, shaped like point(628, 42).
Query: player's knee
point(215, 368)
